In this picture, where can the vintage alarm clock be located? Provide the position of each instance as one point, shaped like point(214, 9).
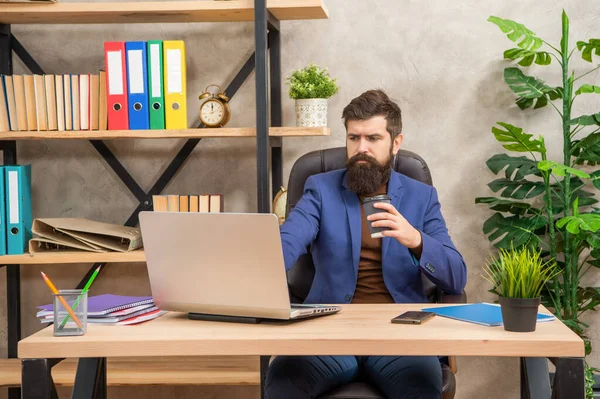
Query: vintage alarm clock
point(215, 111)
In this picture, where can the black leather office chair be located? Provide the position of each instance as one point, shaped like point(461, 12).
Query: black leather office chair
point(300, 277)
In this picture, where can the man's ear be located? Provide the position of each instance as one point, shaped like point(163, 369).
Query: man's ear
point(397, 143)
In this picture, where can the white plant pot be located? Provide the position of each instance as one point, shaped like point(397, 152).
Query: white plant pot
point(311, 112)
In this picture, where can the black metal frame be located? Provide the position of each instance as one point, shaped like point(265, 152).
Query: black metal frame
point(13, 274)
point(266, 39)
point(568, 381)
point(37, 382)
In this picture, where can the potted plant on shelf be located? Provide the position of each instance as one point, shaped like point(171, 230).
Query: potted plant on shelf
point(518, 277)
point(311, 87)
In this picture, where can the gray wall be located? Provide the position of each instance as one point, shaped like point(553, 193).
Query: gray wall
point(440, 60)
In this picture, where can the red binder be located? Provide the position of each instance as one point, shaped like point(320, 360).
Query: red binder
point(116, 85)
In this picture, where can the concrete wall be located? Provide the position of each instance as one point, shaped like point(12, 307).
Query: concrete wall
point(440, 60)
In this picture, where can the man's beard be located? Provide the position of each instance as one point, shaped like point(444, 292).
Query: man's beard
point(367, 178)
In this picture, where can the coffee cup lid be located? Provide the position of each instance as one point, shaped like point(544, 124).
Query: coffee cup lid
point(382, 197)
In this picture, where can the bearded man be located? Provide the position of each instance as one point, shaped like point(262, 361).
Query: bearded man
point(353, 267)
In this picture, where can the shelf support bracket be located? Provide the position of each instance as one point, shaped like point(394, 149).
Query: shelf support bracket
point(24, 55)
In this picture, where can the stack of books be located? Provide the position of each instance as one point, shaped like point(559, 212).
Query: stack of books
point(212, 203)
point(53, 102)
point(111, 309)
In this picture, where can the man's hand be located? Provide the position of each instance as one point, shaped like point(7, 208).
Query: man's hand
point(400, 229)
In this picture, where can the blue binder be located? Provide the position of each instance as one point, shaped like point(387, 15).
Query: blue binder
point(2, 82)
point(137, 85)
point(17, 179)
point(2, 213)
point(486, 314)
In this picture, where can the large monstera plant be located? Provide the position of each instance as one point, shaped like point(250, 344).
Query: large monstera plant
point(544, 203)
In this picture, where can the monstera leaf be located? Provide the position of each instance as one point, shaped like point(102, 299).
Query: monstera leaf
point(516, 167)
point(588, 89)
point(560, 169)
point(586, 120)
point(517, 189)
point(518, 140)
point(528, 57)
point(525, 103)
point(583, 221)
point(513, 230)
point(529, 88)
point(595, 254)
point(588, 298)
point(587, 150)
point(501, 205)
point(515, 31)
point(596, 179)
point(588, 48)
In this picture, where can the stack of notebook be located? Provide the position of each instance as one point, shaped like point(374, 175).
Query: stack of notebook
point(112, 310)
point(212, 203)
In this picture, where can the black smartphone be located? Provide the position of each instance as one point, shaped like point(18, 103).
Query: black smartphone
point(413, 317)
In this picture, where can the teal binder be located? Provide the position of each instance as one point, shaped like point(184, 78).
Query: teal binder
point(17, 187)
point(2, 213)
point(156, 96)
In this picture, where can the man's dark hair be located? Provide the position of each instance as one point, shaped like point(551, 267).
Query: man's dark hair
point(374, 103)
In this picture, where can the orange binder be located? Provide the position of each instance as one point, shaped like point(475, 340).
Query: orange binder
point(116, 85)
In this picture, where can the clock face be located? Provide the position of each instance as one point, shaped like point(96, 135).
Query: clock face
point(212, 112)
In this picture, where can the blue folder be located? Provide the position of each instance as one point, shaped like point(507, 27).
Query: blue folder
point(17, 188)
point(486, 314)
point(137, 85)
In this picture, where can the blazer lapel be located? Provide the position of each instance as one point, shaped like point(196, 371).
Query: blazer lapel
point(395, 191)
point(354, 221)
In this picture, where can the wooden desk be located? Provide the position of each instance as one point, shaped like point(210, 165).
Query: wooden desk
point(356, 330)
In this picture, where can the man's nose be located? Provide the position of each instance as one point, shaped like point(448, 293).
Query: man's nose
point(363, 147)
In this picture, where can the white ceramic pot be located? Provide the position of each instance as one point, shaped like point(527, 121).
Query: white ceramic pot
point(311, 112)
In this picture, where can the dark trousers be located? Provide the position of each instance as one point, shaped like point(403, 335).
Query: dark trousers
point(307, 377)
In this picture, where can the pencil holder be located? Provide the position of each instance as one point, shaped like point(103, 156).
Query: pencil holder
point(70, 312)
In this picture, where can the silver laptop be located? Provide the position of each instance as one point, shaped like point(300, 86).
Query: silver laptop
point(215, 265)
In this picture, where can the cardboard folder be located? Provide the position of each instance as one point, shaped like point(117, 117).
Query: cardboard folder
point(83, 234)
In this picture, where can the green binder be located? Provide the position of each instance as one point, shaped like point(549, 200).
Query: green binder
point(156, 96)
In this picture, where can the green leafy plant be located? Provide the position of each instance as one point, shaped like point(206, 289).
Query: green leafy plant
point(545, 203)
point(311, 82)
point(519, 273)
point(589, 380)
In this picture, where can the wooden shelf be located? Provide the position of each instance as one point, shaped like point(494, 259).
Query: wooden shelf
point(163, 134)
point(39, 258)
point(123, 12)
point(207, 370)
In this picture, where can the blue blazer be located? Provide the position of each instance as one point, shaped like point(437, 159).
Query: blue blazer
point(327, 221)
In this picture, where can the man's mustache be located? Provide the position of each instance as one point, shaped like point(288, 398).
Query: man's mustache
point(362, 157)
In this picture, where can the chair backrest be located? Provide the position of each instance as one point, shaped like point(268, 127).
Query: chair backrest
point(408, 163)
